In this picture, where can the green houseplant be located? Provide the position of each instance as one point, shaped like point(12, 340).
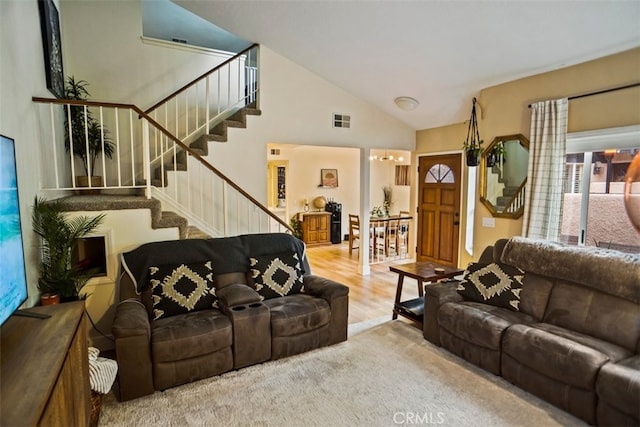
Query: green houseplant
point(84, 131)
point(58, 274)
point(496, 155)
point(473, 144)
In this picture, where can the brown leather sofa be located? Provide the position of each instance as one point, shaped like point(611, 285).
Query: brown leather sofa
point(191, 309)
point(573, 338)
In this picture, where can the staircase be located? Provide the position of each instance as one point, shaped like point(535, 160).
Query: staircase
point(508, 192)
point(508, 199)
point(162, 152)
point(159, 218)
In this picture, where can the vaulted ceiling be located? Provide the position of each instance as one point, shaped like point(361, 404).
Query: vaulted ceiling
point(441, 53)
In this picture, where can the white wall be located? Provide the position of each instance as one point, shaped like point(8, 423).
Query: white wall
point(22, 76)
point(102, 45)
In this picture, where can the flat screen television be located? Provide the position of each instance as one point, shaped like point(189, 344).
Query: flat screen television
point(13, 279)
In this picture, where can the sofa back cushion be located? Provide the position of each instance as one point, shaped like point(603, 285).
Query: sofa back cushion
point(535, 295)
point(588, 311)
point(228, 255)
point(604, 270)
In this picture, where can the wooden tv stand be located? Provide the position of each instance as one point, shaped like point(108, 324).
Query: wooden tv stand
point(44, 366)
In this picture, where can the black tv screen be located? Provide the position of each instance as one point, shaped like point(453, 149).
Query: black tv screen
point(13, 285)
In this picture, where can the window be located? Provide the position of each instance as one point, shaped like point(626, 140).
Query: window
point(402, 175)
point(593, 205)
point(439, 173)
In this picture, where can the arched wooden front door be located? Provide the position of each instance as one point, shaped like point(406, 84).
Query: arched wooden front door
point(439, 183)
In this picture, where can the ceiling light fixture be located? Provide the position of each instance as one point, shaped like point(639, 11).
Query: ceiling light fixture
point(406, 103)
point(386, 158)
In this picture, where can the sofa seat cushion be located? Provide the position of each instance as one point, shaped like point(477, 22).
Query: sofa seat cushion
point(618, 384)
point(297, 314)
point(190, 335)
point(561, 357)
point(477, 323)
point(612, 351)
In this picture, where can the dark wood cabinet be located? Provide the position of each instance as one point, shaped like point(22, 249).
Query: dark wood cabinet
point(44, 368)
point(316, 228)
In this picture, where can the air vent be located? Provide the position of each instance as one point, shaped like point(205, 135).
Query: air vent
point(183, 41)
point(341, 121)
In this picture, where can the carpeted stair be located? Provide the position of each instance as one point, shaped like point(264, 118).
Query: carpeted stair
point(159, 218)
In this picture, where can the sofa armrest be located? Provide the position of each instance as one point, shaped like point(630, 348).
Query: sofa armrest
point(326, 289)
point(434, 296)
point(237, 294)
point(337, 295)
point(132, 332)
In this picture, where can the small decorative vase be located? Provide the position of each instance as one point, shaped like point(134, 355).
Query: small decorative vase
point(49, 299)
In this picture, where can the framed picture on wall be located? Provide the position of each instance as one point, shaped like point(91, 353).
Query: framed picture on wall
point(329, 178)
point(52, 47)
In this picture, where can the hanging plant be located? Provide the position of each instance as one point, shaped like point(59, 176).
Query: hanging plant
point(473, 144)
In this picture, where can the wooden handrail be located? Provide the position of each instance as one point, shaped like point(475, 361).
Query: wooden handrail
point(174, 139)
point(196, 80)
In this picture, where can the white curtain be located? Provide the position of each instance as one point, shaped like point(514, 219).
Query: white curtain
point(547, 151)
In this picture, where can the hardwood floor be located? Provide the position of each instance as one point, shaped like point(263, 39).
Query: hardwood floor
point(370, 296)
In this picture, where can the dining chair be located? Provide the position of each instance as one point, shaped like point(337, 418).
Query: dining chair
point(391, 237)
point(402, 237)
point(377, 240)
point(354, 232)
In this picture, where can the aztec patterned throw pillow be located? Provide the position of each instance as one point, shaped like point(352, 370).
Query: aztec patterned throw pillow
point(277, 275)
point(181, 288)
point(494, 284)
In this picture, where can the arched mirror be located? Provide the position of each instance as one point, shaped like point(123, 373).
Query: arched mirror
point(503, 175)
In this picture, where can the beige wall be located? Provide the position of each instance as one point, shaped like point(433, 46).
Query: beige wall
point(504, 110)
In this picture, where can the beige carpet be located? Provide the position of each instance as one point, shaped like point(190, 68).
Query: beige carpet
point(386, 374)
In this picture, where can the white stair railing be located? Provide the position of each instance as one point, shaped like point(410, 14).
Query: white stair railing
point(167, 169)
point(193, 109)
point(517, 200)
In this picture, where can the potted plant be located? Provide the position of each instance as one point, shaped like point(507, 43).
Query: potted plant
point(85, 132)
point(58, 273)
point(496, 155)
point(297, 226)
point(473, 152)
point(473, 144)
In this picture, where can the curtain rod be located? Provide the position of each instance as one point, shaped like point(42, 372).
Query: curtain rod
point(613, 89)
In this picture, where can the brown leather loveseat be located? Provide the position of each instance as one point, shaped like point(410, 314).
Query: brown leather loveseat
point(561, 322)
point(191, 309)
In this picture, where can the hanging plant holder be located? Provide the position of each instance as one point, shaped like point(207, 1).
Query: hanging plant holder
point(473, 144)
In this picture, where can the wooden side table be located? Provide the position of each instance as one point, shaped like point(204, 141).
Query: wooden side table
point(423, 272)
